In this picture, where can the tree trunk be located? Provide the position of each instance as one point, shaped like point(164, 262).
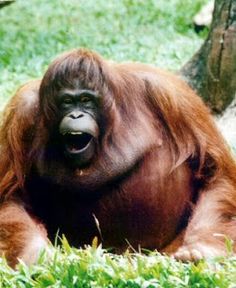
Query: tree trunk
point(212, 70)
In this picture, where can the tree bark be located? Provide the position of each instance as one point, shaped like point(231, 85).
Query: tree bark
point(212, 70)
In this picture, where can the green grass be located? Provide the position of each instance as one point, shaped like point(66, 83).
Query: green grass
point(33, 32)
point(94, 267)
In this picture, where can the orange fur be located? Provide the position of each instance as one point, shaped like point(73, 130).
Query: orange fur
point(162, 167)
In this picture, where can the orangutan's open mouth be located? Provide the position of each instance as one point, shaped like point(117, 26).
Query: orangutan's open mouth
point(77, 142)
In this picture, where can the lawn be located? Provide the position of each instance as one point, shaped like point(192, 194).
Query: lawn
point(33, 32)
point(160, 32)
point(94, 267)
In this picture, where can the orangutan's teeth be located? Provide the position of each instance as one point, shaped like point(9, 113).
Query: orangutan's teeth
point(76, 133)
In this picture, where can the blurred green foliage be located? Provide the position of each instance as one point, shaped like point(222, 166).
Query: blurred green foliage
point(33, 32)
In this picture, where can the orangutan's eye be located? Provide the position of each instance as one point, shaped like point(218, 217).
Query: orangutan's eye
point(85, 99)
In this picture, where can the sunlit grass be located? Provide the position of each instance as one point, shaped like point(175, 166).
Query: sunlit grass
point(94, 267)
